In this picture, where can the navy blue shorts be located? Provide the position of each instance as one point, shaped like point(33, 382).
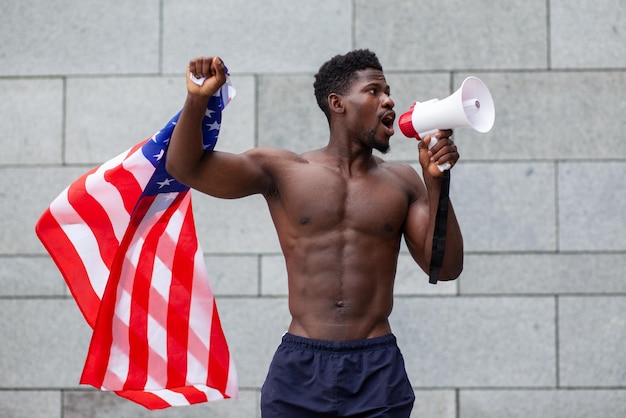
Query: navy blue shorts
point(312, 378)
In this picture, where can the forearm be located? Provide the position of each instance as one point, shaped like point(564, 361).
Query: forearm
point(185, 151)
point(452, 264)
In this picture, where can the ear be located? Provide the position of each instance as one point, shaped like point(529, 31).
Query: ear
point(335, 103)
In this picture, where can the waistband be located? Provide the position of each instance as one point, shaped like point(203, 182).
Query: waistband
point(295, 341)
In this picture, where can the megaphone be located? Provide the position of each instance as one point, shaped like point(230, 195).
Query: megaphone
point(470, 106)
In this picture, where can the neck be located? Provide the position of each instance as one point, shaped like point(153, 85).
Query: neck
point(348, 152)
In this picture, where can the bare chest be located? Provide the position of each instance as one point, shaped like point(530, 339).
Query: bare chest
point(318, 198)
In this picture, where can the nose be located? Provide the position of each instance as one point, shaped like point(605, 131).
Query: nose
point(388, 102)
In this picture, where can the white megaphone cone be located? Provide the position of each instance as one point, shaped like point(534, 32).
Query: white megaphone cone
point(470, 106)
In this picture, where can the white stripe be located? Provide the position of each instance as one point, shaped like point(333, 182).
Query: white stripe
point(200, 321)
point(211, 394)
point(141, 168)
point(171, 397)
point(118, 366)
point(77, 231)
point(122, 306)
point(157, 333)
point(118, 363)
point(232, 387)
point(108, 196)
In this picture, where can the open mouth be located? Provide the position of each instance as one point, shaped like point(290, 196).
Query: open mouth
point(388, 119)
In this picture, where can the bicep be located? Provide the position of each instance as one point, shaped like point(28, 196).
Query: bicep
point(417, 222)
point(230, 176)
point(416, 231)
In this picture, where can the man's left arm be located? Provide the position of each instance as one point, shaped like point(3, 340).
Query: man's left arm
point(420, 223)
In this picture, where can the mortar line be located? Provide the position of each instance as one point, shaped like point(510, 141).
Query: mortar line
point(259, 289)
point(548, 37)
point(160, 46)
point(557, 226)
point(64, 121)
point(557, 360)
point(353, 26)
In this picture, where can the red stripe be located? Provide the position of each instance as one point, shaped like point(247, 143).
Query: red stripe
point(70, 265)
point(94, 216)
point(125, 181)
point(139, 349)
point(138, 325)
point(147, 399)
point(192, 394)
point(179, 302)
point(99, 352)
point(219, 357)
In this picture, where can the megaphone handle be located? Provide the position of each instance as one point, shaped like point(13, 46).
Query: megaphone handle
point(432, 143)
point(441, 230)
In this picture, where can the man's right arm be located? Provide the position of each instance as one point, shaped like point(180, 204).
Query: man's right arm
point(215, 173)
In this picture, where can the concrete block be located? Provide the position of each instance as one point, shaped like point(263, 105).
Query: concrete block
point(237, 133)
point(87, 37)
point(273, 36)
point(289, 116)
point(550, 116)
point(578, 41)
point(30, 404)
point(273, 275)
point(589, 214)
point(30, 276)
point(477, 342)
point(592, 337)
point(234, 226)
point(411, 280)
point(106, 116)
point(505, 206)
point(543, 274)
point(542, 403)
point(454, 34)
point(109, 115)
point(32, 121)
point(253, 329)
point(434, 404)
point(44, 344)
point(21, 207)
point(233, 274)
point(93, 404)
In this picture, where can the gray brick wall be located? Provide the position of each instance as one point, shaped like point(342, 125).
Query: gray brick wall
point(535, 327)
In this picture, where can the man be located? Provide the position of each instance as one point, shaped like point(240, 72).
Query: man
point(340, 213)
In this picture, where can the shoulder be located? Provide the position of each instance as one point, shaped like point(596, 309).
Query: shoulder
point(406, 176)
point(270, 157)
point(276, 163)
point(404, 171)
point(271, 153)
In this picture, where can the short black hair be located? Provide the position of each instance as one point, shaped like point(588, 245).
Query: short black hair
point(336, 74)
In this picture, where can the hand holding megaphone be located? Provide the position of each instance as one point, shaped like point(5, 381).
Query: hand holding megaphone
point(470, 106)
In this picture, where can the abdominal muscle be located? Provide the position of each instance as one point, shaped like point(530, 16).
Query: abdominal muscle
point(341, 285)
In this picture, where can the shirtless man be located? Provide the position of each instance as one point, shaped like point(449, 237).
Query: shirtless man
point(340, 213)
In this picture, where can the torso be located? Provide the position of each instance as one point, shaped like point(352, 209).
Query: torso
point(340, 234)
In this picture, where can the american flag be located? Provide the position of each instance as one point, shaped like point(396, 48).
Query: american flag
point(123, 237)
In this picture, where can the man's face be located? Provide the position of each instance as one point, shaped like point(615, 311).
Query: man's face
point(369, 109)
